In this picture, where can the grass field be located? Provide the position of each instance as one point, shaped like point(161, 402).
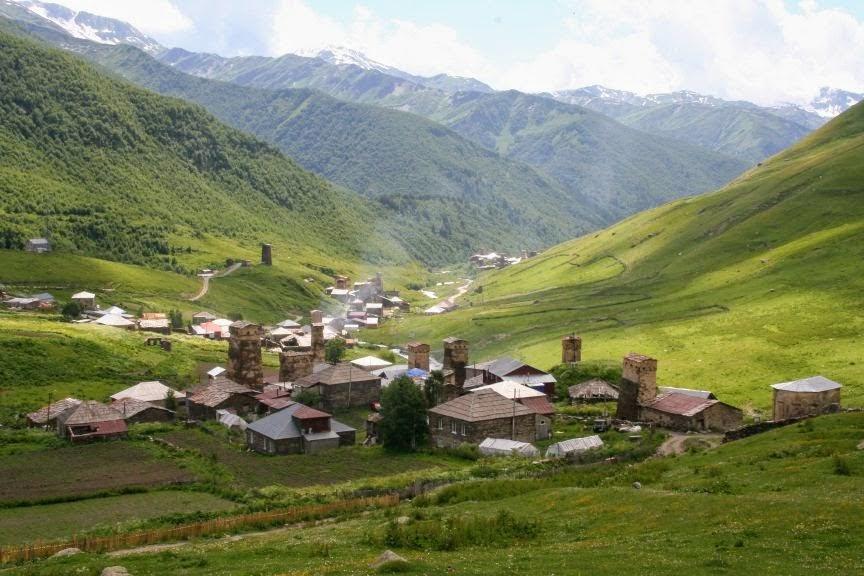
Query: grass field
point(56, 521)
point(76, 471)
point(250, 470)
point(774, 504)
point(733, 291)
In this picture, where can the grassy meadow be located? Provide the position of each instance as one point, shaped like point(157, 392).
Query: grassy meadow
point(754, 284)
point(786, 502)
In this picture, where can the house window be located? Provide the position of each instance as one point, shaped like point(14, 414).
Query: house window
point(440, 423)
point(464, 429)
point(452, 426)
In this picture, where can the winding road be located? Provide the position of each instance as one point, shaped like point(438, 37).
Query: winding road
point(205, 281)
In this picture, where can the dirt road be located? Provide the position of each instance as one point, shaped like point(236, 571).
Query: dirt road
point(205, 281)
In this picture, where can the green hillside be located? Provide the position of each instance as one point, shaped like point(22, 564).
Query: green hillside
point(755, 284)
point(747, 133)
point(620, 169)
point(116, 172)
point(430, 185)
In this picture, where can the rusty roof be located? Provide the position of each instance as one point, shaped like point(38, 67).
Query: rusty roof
point(681, 404)
point(538, 405)
point(307, 412)
point(479, 406)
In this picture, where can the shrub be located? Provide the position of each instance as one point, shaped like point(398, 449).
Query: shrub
point(458, 531)
point(71, 310)
point(841, 466)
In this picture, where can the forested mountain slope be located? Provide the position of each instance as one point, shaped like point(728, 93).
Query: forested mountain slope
point(114, 171)
point(755, 284)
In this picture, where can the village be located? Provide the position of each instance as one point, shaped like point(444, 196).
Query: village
point(503, 406)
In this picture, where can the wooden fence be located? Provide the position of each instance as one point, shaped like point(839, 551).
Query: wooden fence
point(26, 552)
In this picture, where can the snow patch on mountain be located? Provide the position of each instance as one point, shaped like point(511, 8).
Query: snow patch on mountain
point(91, 26)
point(342, 56)
point(832, 101)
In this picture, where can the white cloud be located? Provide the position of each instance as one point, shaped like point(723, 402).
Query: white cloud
point(759, 50)
point(425, 49)
point(151, 17)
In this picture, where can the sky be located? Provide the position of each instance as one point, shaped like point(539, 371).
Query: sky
point(765, 51)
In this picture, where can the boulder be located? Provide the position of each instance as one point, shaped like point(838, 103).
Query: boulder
point(637, 485)
point(67, 552)
point(115, 571)
point(387, 558)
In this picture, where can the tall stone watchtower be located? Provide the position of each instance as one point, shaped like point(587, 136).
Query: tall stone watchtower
point(571, 349)
point(244, 354)
point(418, 356)
point(267, 254)
point(638, 385)
point(317, 336)
point(456, 359)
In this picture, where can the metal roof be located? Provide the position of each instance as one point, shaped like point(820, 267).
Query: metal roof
point(83, 296)
point(704, 394)
point(337, 374)
point(129, 407)
point(371, 362)
point(812, 384)
point(510, 389)
point(595, 388)
point(281, 425)
point(681, 404)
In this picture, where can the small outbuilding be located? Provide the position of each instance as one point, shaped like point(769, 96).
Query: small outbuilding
point(505, 447)
point(595, 390)
point(38, 245)
point(807, 397)
point(681, 411)
point(115, 321)
point(220, 394)
point(342, 386)
point(574, 447)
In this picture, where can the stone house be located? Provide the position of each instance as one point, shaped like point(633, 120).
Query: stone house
point(474, 417)
point(807, 397)
point(532, 399)
point(85, 300)
point(91, 420)
point(342, 386)
point(680, 411)
point(220, 394)
point(298, 429)
point(137, 411)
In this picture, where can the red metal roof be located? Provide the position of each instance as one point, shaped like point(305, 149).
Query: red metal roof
point(306, 413)
point(683, 404)
point(538, 404)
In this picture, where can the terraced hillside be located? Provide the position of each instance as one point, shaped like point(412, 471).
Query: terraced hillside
point(757, 283)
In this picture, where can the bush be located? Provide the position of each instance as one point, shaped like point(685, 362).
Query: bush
point(334, 350)
point(459, 531)
point(841, 466)
point(71, 310)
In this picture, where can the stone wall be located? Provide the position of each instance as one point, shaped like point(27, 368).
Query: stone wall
point(797, 404)
point(349, 395)
point(475, 432)
point(295, 364)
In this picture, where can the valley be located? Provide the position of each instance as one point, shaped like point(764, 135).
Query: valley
point(271, 306)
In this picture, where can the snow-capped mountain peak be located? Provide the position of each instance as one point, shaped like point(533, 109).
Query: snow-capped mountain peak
point(91, 27)
point(832, 101)
point(340, 55)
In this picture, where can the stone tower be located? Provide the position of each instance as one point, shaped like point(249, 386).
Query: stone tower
point(317, 336)
point(638, 385)
point(571, 349)
point(378, 282)
point(295, 363)
point(418, 356)
point(244, 354)
point(267, 254)
point(456, 359)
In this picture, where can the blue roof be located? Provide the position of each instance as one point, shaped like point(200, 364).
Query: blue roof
point(417, 373)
